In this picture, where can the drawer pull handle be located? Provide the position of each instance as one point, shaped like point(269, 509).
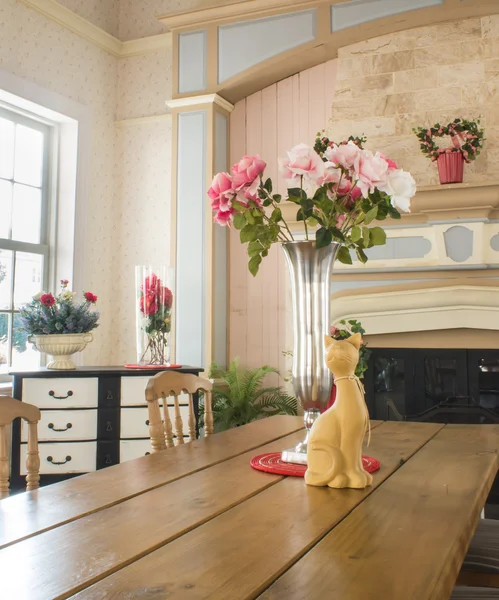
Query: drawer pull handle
point(147, 454)
point(52, 393)
point(68, 426)
point(147, 422)
point(54, 462)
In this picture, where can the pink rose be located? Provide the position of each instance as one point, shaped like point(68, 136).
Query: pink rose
point(331, 174)
point(247, 170)
point(333, 330)
point(221, 188)
point(340, 220)
point(343, 155)
point(302, 161)
point(224, 217)
point(391, 163)
point(371, 171)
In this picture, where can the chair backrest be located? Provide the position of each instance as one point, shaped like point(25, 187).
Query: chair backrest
point(172, 384)
point(11, 409)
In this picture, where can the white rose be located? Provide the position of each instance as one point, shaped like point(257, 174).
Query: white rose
point(37, 297)
point(401, 187)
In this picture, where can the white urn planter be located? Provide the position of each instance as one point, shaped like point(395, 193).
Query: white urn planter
point(61, 347)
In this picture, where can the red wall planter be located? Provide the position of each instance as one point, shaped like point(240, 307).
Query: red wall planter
point(450, 167)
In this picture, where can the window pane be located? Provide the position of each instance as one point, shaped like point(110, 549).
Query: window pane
point(4, 341)
point(28, 156)
point(5, 279)
point(29, 277)
point(5, 207)
point(6, 148)
point(24, 356)
point(26, 214)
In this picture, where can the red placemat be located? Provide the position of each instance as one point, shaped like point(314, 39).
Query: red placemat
point(272, 463)
point(153, 367)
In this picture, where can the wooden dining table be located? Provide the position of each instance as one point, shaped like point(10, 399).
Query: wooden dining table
point(196, 521)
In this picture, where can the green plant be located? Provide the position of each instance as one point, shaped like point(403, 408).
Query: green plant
point(344, 329)
point(467, 137)
point(239, 397)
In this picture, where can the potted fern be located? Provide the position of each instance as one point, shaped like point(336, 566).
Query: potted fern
point(240, 397)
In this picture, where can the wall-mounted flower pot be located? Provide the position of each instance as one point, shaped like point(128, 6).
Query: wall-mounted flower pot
point(450, 167)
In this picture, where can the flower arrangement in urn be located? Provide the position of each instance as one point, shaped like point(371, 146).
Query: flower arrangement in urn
point(339, 189)
point(344, 329)
point(155, 300)
point(466, 139)
point(58, 325)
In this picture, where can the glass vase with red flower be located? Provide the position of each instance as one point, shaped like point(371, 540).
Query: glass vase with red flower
point(154, 300)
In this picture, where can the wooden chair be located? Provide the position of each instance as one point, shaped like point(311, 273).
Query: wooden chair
point(11, 409)
point(168, 384)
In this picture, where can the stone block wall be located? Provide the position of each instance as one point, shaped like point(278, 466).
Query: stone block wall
point(390, 84)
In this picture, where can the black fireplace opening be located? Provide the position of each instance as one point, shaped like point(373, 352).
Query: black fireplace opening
point(439, 386)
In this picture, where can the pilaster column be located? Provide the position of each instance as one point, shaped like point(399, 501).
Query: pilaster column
point(199, 247)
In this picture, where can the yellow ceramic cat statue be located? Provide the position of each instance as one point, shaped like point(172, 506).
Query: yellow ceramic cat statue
point(334, 453)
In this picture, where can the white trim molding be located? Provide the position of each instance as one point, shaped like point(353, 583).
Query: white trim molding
point(134, 121)
point(187, 102)
point(425, 309)
point(67, 18)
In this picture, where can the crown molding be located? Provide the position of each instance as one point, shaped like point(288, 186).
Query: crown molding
point(61, 15)
point(190, 101)
point(135, 121)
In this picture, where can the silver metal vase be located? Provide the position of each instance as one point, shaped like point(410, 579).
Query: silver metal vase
point(310, 271)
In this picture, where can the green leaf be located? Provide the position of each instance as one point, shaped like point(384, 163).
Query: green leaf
point(249, 217)
point(312, 222)
point(239, 221)
point(277, 198)
point(276, 215)
point(254, 264)
point(344, 256)
point(366, 237)
point(361, 255)
point(337, 235)
point(355, 234)
point(254, 248)
point(371, 215)
point(297, 193)
point(377, 236)
point(268, 185)
point(247, 234)
point(323, 237)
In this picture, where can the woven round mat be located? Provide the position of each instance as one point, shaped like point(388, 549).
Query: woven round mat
point(272, 463)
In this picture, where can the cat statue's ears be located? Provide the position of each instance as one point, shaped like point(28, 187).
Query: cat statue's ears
point(355, 340)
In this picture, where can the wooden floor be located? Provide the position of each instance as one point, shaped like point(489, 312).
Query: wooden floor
point(197, 522)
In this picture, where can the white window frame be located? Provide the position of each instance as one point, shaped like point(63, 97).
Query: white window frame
point(69, 183)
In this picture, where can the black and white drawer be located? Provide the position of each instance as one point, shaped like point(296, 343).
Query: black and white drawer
point(61, 392)
point(63, 457)
point(130, 449)
point(64, 425)
point(135, 421)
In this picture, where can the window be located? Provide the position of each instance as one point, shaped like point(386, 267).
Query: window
point(25, 149)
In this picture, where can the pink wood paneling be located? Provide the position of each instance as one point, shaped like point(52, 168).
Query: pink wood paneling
point(269, 123)
point(238, 298)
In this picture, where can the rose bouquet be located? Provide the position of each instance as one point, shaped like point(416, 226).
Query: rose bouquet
point(339, 189)
point(47, 314)
point(155, 304)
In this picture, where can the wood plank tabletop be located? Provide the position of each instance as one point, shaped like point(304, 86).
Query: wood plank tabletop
point(26, 514)
point(198, 522)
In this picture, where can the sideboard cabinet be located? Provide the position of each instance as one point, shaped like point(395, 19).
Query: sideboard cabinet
point(91, 418)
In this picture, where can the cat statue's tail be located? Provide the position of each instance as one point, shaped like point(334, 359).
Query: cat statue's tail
point(321, 478)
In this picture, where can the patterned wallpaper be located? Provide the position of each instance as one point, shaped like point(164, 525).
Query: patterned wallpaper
point(144, 156)
point(144, 84)
point(103, 13)
point(52, 57)
point(138, 18)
